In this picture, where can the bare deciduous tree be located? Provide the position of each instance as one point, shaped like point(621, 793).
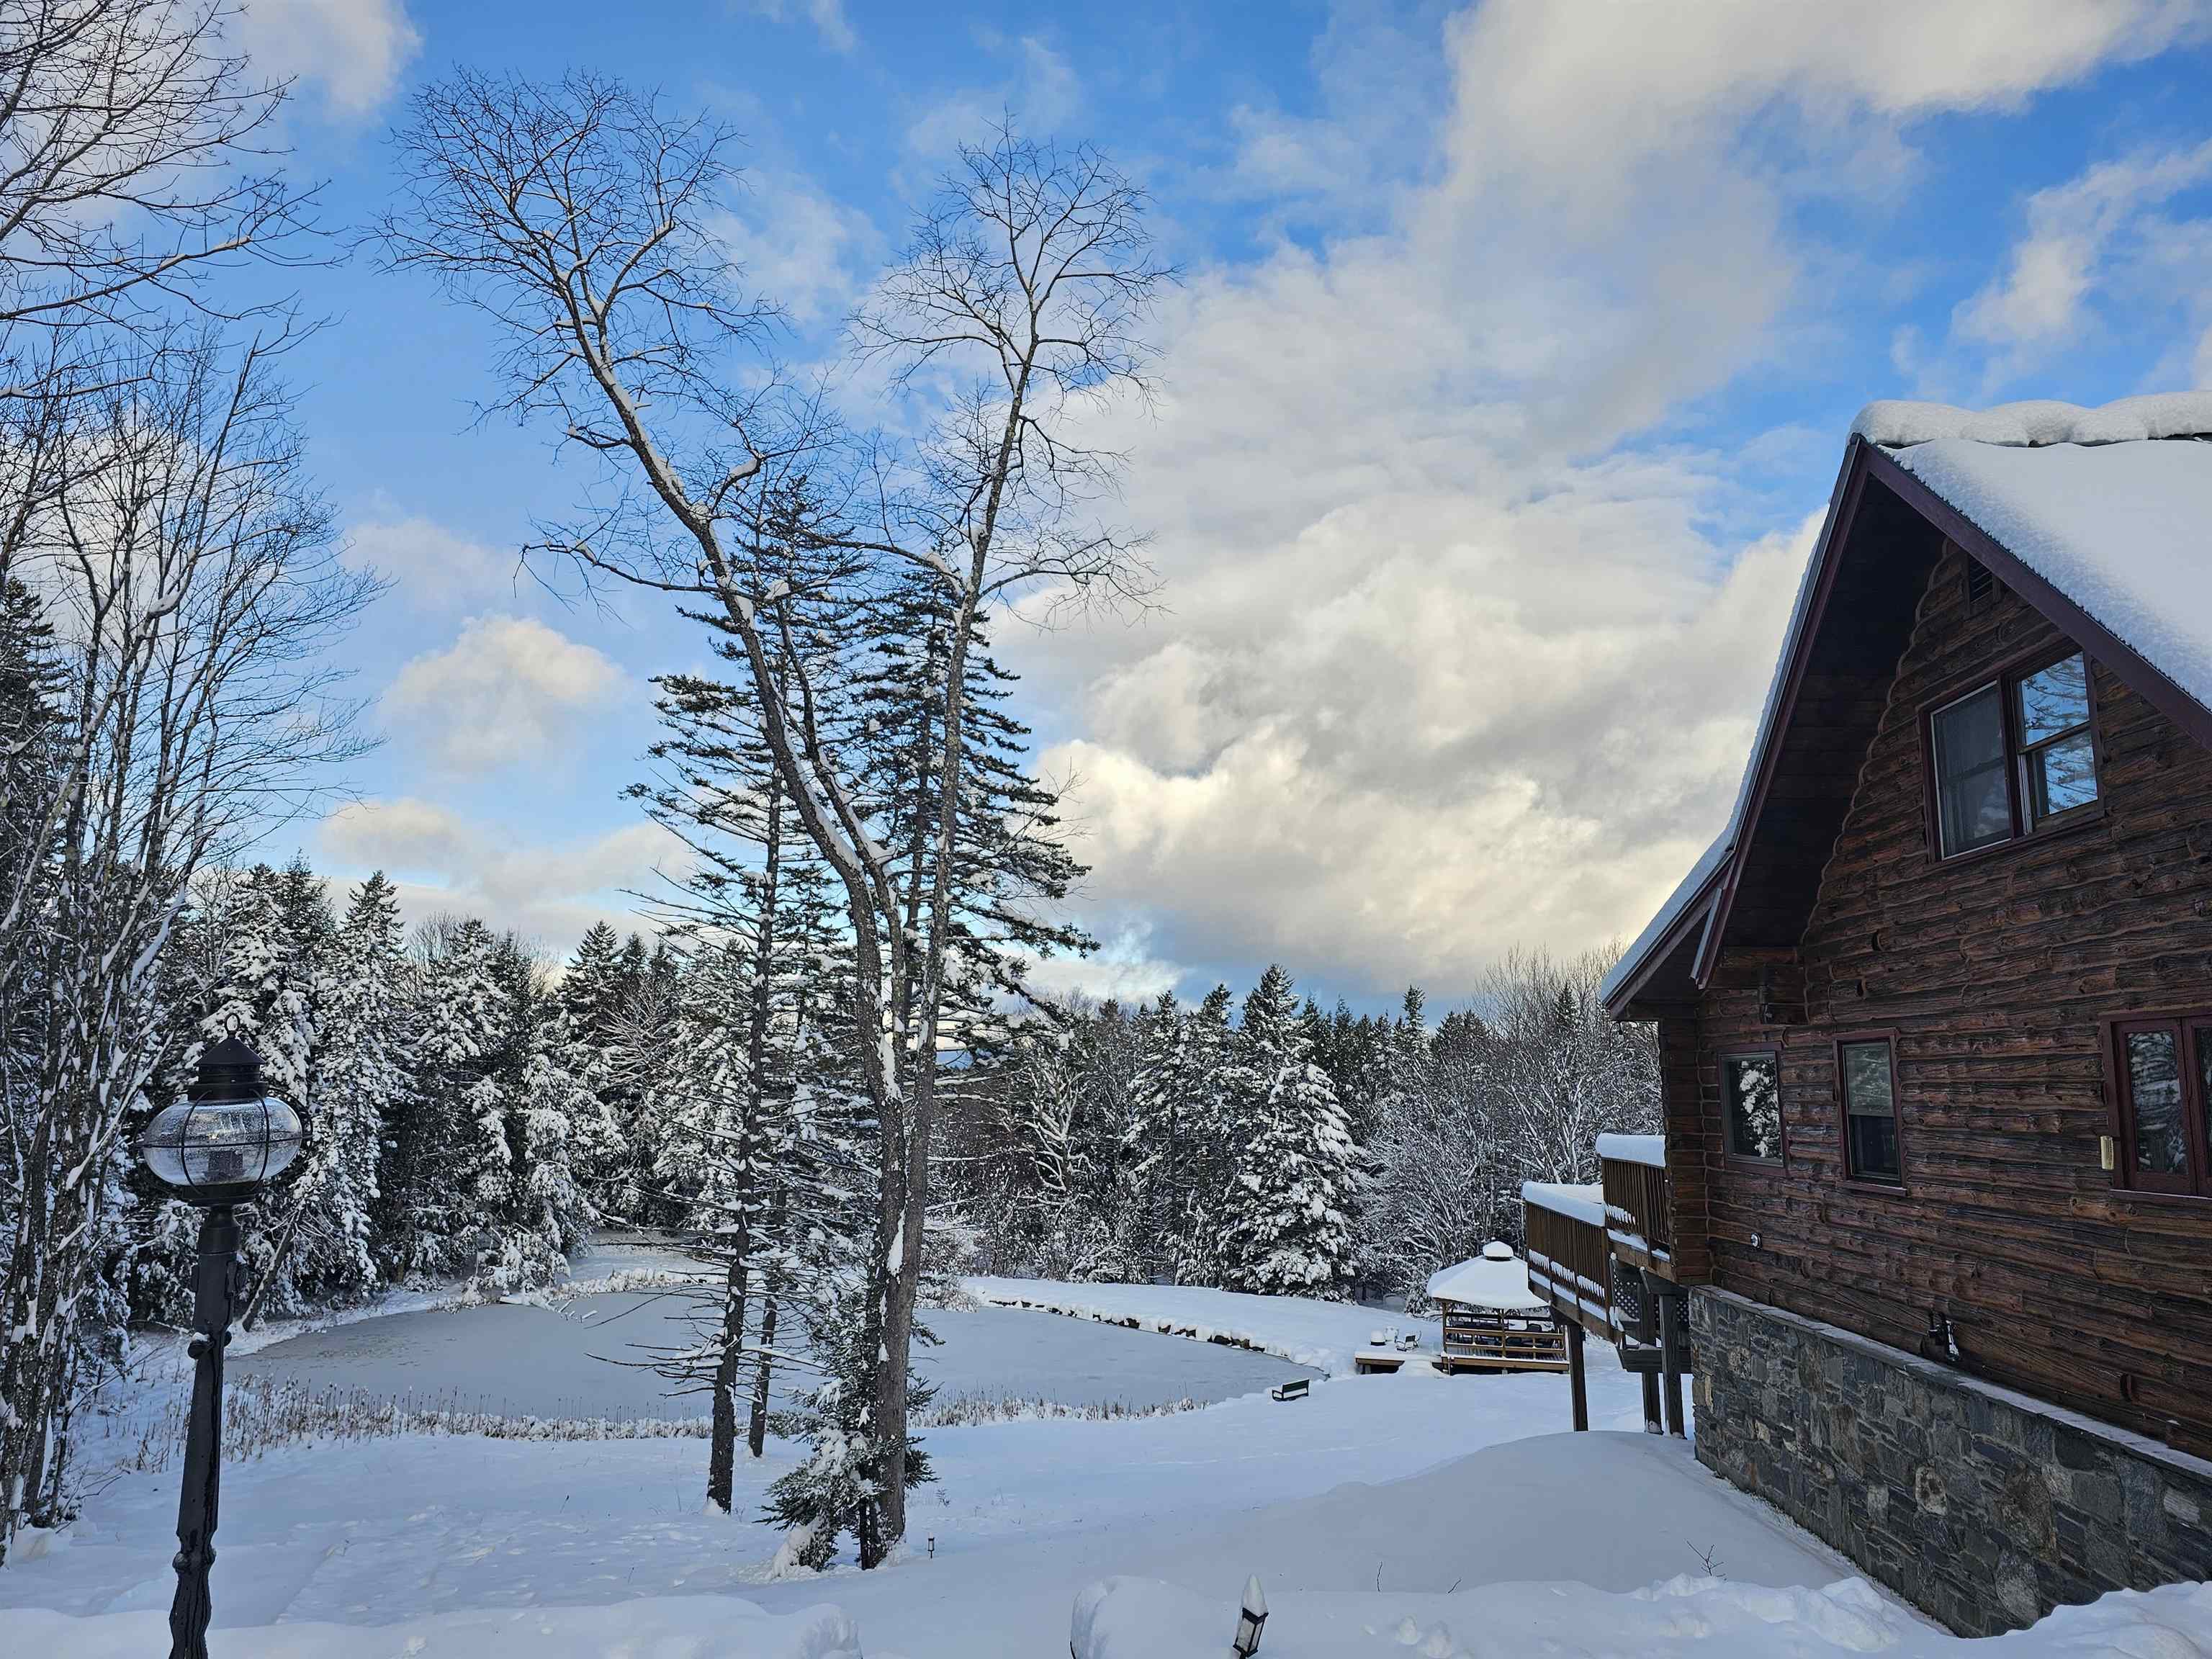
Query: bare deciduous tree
point(134, 159)
point(190, 583)
point(580, 217)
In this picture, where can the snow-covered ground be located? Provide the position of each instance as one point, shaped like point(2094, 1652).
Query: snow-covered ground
point(1394, 1505)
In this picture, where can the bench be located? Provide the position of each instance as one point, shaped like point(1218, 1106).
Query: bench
point(1295, 1390)
point(1372, 1362)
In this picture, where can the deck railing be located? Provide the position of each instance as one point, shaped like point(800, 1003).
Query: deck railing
point(1638, 1217)
point(1569, 1261)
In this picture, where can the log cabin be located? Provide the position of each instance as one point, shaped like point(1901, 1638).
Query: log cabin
point(1935, 1013)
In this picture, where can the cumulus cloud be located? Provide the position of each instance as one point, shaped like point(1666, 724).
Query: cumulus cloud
point(507, 691)
point(1455, 656)
point(431, 568)
point(443, 861)
point(352, 50)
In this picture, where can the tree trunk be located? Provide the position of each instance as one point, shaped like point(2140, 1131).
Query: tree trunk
point(756, 1426)
point(722, 1454)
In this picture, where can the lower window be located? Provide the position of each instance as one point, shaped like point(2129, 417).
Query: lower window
point(2163, 1096)
point(1751, 1087)
point(1866, 1075)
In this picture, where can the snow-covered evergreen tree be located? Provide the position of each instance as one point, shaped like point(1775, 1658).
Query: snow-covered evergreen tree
point(1285, 1227)
point(364, 1022)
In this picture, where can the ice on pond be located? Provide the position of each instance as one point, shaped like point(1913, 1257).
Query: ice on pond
point(590, 1358)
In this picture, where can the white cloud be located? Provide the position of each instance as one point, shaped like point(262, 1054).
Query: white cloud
point(1445, 666)
point(507, 691)
point(799, 248)
point(2100, 230)
point(431, 568)
point(828, 17)
point(354, 49)
point(441, 861)
point(1040, 89)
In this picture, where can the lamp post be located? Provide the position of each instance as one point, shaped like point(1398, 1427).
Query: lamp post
point(1251, 1620)
point(217, 1148)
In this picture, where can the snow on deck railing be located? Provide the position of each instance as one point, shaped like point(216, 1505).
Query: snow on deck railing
point(1578, 1203)
point(1649, 1150)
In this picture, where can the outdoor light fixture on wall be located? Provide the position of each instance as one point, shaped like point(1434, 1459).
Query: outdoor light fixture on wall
point(1251, 1620)
point(217, 1148)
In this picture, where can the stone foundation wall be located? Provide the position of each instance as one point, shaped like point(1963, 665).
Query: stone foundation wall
point(1981, 1506)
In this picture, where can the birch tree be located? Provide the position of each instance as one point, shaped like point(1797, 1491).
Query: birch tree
point(580, 217)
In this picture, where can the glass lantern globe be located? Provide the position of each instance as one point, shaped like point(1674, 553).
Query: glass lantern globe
point(227, 1141)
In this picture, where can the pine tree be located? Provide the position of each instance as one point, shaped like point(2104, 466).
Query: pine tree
point(1205, 1131)
point(1286, 1228)
point(440, 1154)
point(363, 1061)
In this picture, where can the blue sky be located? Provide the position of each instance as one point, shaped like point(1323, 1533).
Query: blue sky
point(1514, 364)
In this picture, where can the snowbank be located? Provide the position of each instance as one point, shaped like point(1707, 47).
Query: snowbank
point(690, 1627)
point(1303, 1330)
point(1712, 1617)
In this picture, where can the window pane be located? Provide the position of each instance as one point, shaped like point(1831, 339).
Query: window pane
point(2061, 776)
point(2154, 1095)
point(2054, 701)
point(1871, 1112)
point(2203, 1037)
point(1754, 1106)
point(1971, 800)
point(1871, 1146)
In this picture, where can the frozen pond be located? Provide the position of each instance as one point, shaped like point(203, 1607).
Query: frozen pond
point(544, 1362)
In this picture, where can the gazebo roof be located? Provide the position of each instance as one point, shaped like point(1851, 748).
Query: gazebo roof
point(1495, 1278)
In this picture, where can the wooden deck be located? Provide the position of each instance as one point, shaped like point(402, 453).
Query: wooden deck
point(1570, 1265)
point(1639, 1223)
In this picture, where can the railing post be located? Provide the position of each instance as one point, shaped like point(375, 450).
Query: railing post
point(1578, 1380)
point(1670, 1355)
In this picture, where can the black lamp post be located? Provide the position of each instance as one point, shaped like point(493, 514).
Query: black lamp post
point(217, 1148)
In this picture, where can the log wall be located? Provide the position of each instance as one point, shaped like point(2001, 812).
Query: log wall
point(1994, 972)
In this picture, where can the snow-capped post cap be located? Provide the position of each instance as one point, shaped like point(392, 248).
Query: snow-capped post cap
point(1251, 1618)
point(1497, 1251)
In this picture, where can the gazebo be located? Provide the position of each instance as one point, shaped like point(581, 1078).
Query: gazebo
point(1492, 1322)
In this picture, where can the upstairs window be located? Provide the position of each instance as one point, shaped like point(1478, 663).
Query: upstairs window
point(2013, 758)
point(2163, 1099)
point(1751, 1087)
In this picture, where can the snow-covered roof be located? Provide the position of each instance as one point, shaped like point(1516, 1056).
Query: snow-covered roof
point(1583, 1202)
point(2112, 506)
point(2123, 530)
point(1495, 1278)
point(1678, 901)
point(1649, 1150)
point(1895, 424)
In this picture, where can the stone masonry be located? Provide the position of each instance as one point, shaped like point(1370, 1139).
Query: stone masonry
point(1981, 1506)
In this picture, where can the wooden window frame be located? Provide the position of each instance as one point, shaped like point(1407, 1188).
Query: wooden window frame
point(2194, 1186)
point(2007, 679)
point(1773, 1053)
point(1887, 1035)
